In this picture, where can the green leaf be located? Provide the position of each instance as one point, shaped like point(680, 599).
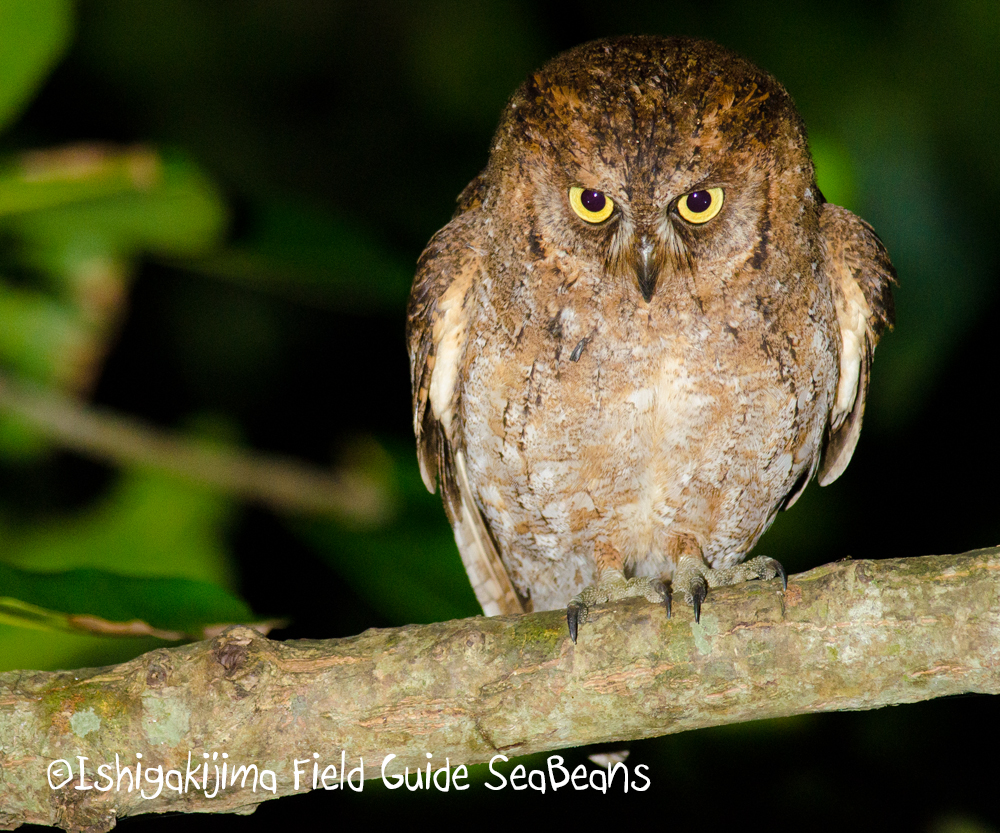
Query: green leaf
point(41, 338)
point(69, 600)
point(149, 525)
point(33, 35)
point(172, 210)
point(150, 555)
point(47, 650)
point(72, 174)
point(19, 440)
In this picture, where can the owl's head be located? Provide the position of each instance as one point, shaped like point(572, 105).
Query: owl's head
point(654, 157)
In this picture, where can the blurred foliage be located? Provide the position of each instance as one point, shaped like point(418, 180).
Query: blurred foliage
point(409, 570)
point(213, 209)
point(32, 38)
point(74, 220)
point(148, 525)
point(179, 607)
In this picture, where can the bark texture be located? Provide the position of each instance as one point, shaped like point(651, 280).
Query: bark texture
point(849, 635)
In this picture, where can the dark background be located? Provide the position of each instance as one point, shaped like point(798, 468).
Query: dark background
point(336, 136)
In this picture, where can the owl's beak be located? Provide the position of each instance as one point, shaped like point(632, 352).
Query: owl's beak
point(647, 267)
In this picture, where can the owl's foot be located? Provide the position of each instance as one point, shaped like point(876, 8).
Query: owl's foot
point(612, 586)
point(693, 577)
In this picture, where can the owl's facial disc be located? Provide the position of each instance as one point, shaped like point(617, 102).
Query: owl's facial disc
point(653, 246)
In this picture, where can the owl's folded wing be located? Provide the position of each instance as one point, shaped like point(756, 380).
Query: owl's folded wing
point(437, 333)
point(861, 276)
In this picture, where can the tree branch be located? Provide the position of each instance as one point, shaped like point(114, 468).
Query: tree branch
point(850, 635)
point(285, 484)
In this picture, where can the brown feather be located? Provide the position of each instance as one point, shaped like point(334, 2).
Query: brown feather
point(436, 322)
point(861, 277)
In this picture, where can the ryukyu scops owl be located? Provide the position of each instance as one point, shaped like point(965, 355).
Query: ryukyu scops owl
point(641, 334)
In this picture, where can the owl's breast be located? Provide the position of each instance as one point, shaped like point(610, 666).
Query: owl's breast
point(633, 428)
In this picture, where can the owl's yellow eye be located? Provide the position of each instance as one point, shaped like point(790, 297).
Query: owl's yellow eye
point(701, 206)
point(592, 206)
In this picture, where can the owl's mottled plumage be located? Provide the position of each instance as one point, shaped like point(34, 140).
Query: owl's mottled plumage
point(640, 395)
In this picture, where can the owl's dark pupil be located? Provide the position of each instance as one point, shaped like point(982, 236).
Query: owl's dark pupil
point(593, 200)
point(699, 201)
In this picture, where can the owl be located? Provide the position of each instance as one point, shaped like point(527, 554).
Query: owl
point(642, 333)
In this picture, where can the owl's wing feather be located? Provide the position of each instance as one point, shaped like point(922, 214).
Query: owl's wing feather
point(861, 276)
point(437, 331)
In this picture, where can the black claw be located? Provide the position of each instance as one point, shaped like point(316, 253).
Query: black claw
point(662, 589)
point(781, 572)
point(573, 620)
point(699, 591)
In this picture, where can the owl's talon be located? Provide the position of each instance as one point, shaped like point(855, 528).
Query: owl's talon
point(762, 567)
point(613, 587)
point(699, 590)
point(780, 570)
point(694, 577)
point(573, 618)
